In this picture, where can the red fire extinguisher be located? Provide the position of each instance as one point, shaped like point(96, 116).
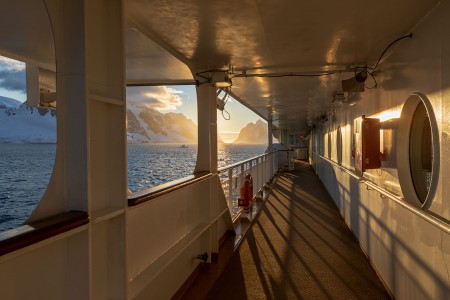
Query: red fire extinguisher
point(246, 192)
point(249, 187)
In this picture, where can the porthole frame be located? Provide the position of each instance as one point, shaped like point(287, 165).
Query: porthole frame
point(403, 150)
point(329, 144)
point(41, 76)
point(339, 145)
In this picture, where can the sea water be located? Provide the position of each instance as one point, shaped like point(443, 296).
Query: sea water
point(26, 170)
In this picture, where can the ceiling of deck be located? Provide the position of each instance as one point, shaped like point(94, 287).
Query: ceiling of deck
point(261, 37)
point(32, 41)
point(166, 41)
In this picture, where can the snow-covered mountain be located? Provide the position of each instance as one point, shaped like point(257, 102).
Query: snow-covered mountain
point(253, 133)
point(147, 125)
point(6, 102)
point(22, 124)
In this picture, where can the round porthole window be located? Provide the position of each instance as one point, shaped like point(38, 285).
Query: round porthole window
point(339, 145)
point(329, 144)
point(418, 150)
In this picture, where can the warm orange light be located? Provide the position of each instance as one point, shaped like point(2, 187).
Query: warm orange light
point(388, 114)
point(228, 136)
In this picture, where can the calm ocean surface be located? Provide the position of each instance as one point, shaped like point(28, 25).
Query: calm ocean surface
point(26, 170)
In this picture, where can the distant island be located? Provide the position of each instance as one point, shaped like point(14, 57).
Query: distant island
point(253, 133)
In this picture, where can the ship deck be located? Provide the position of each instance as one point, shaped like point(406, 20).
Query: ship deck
point(298, 247)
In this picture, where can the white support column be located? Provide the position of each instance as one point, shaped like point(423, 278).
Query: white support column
point(270, 142)
point(207, 129)
point(207, 153)
point(91, 167)
point(269, 136)
point(68, 187)
point(107, 154)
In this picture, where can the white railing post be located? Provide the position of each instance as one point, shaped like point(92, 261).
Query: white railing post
point(275, 162)
point(230, 187)
point(260, 173)
point(266, 167)
point(241, 175)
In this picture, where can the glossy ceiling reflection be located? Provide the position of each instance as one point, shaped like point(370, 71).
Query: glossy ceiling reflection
point(166, 40)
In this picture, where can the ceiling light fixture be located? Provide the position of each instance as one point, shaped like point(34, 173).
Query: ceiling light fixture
point(361, 76)
point(220, 79)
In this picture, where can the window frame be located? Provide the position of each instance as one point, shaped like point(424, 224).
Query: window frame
point(404, 150)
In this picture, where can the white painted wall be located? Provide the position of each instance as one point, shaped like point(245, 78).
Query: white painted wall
point(411, 255)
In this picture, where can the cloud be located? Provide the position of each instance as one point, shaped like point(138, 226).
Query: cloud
point(12, 75)
point(157, 97)
point(11, 64)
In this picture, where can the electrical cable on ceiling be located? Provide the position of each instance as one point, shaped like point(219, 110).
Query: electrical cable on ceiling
point(290, 74)
point(375, 85)
point(364, 70)
point(211, 71)
point(361, 74)
point(387, 48)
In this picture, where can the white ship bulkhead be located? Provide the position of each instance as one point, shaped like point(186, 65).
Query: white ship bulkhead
point(147, 249)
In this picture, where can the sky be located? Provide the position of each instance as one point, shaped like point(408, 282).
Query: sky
point(239, 117)
point(183, 99)
point(179, 99)
point(12, 79)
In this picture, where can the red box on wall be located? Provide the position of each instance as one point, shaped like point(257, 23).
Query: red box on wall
point(367, 143)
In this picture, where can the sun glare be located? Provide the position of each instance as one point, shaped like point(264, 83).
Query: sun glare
point(388, 114)
point(227, 136)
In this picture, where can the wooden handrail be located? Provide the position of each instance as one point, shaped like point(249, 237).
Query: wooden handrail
point(157, 191)
point(34, 232)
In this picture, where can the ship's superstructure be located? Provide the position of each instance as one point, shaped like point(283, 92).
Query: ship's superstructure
point(364, 85)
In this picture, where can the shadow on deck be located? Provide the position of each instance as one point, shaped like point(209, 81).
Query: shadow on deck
point(298, 248)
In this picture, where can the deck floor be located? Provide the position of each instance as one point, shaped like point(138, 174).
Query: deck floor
point(298, 248)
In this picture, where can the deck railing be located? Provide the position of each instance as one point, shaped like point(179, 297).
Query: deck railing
point(285, 160)
point(232, 177)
